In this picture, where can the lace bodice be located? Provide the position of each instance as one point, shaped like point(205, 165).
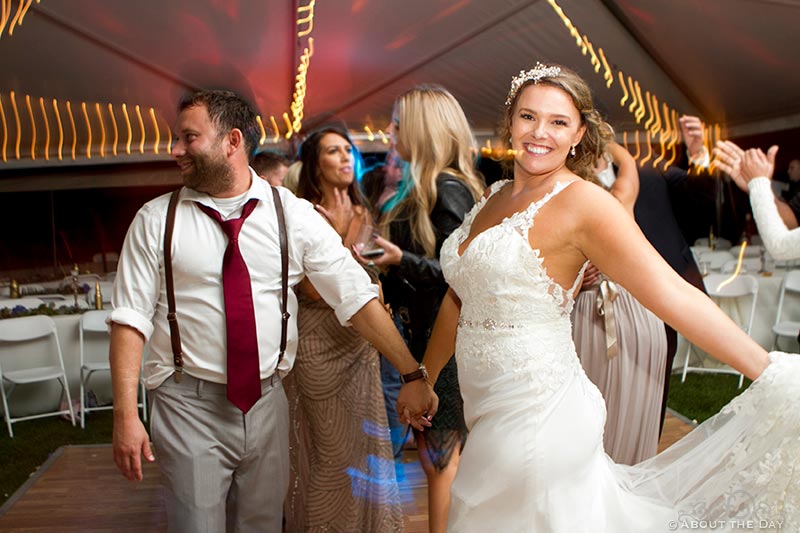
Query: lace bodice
point(499, 276)
point(515, 320)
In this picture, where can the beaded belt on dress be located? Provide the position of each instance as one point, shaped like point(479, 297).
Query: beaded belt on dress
point(489, 323)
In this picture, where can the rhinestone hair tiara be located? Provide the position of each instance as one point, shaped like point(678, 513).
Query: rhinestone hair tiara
point(536, 73)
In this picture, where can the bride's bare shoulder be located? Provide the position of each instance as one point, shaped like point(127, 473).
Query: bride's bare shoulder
point(582, 190)
point(590, 203)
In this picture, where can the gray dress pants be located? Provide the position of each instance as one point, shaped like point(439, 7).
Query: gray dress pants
point(223, 469)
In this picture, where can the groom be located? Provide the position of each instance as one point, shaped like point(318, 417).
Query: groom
point(217, 451)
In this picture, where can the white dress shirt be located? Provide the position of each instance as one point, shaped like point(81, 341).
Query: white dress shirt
point(198, 244)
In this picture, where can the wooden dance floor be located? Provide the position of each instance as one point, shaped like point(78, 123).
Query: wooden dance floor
point(79, 489)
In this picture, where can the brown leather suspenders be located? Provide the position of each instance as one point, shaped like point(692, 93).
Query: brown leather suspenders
point(284, 274)
point(172, 317)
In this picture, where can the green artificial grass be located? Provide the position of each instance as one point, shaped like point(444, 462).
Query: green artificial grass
point(703, 395)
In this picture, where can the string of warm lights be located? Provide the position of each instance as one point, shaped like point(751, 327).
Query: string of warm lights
point(737, 270)
point(299, 95)
point(305, 24)
point(89, 131)
point(46, 130)
point(102, 130)
point(9, 23)
point(111, 129)
point(18, 140)
point(663, 132)
point(5, 130)
point(661, 125)
point(41, 129)
point(33, 126)
point(141, 128)
point(60, 132)
point(157, 140)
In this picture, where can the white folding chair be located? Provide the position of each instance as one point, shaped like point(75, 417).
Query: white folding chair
point(749, 265)
point(784, 326)
point(32, 330)
point(93, 338)
point(730, 297)
point(752, 250)
point(714, 259)
point(719, 243)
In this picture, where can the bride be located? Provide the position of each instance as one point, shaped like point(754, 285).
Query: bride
point(535, 460)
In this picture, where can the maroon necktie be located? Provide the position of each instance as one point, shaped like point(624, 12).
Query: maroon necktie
point(244, 370)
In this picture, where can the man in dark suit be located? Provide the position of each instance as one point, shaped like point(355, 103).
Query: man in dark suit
point(656, 215)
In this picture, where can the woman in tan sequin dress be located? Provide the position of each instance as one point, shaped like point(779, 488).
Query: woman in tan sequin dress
point(342, 468)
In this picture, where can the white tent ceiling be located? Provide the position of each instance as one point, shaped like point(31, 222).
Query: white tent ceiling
point(733, 62)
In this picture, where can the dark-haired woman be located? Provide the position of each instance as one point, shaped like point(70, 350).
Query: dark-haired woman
point(342, 468)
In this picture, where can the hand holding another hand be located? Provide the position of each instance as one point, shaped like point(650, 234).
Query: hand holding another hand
point(417, 404)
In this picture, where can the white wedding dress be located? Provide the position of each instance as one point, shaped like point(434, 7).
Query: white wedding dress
point(534, 458)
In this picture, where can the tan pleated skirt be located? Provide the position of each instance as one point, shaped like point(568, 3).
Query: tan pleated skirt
point(632, 382)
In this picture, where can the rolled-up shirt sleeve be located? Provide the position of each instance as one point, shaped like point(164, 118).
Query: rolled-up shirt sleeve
point(138, 280)
point(331, 268)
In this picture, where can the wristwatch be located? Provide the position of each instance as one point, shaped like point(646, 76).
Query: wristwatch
point(420, 373)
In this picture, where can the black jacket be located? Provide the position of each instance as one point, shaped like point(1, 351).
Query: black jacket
point(416, 286)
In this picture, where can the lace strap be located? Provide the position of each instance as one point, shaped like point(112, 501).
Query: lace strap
point(494, 187)
point(470, 216)
point(534, 208)
point(579, 278)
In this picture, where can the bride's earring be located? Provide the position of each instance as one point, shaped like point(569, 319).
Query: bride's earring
point(572, 151)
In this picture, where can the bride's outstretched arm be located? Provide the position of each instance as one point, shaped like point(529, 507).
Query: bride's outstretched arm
point(614, 243)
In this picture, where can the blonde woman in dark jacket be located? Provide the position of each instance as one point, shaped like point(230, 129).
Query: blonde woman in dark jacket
point(440, 185)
